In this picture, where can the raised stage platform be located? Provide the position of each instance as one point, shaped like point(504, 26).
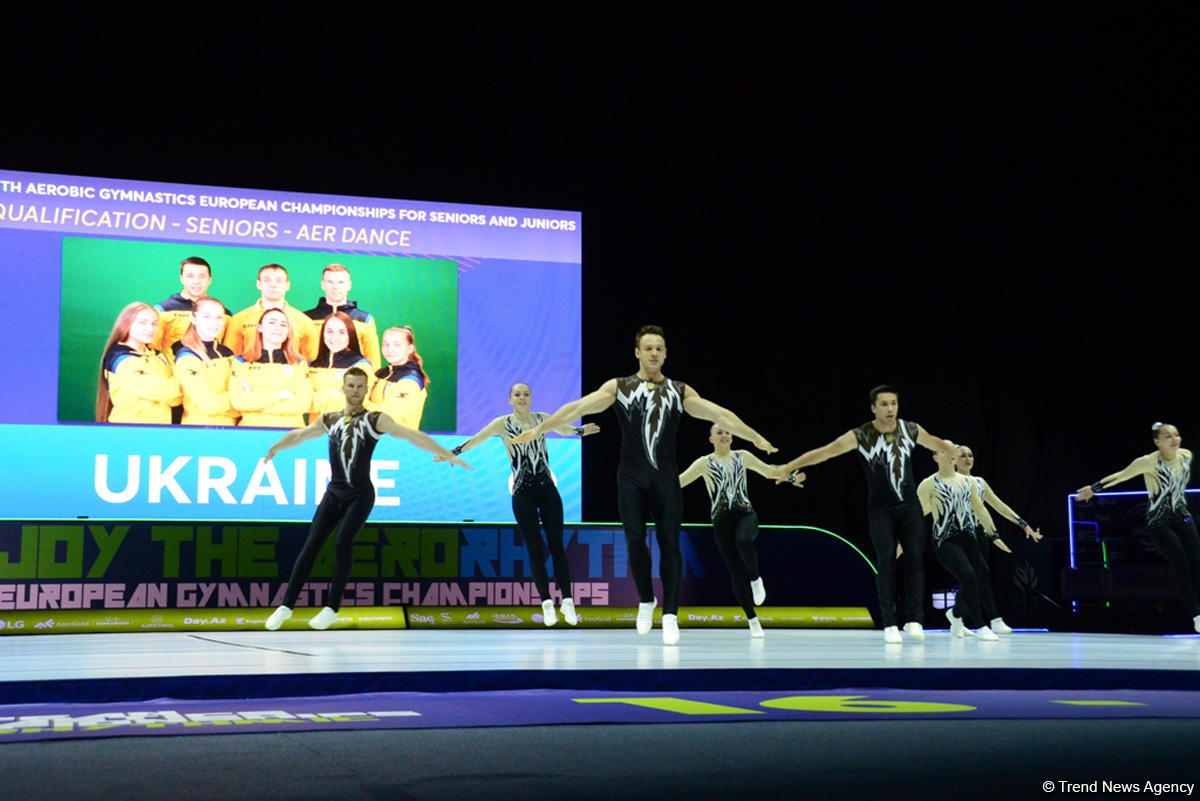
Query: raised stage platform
point(243, 664)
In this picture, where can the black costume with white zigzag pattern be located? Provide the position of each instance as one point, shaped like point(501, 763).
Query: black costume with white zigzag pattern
point(352, 440)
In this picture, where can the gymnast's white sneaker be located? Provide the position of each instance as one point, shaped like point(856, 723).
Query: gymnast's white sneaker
point(1000, 627)
point(759, 591)
point(957, 629)
point(645, 616)
point(278, 618)
point(323, 619)
point(914, 630)
point(568, 611)
point(1196, 623)
point(891, 634)
point(985, 634)
point(756, 629)
point(549, 616)
point(670, 626)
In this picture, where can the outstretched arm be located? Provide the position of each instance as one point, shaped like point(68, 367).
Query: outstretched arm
point(492, 429)
point(585, 430)
point(989, 496)
point(591, 403)
point(1140, 465)
point(843, 444)
point(981, 513)
point(934, 443)
point(775, 471)
point(694, 471)
point(697, 406)
point(419, 438)
point(294, 437)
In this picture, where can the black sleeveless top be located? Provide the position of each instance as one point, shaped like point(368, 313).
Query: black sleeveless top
point(887, 463)
point(352, 440)
point(648, 414)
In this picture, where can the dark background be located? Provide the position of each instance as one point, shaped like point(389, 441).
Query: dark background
point(992, 208)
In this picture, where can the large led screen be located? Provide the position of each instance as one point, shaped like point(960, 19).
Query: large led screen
point(488, 296)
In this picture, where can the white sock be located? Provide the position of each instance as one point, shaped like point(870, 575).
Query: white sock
point(549, 616)
point(756, 629)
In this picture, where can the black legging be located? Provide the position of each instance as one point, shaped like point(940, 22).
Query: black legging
point(960, 554)
point(983, 571)
point(884, 523)
point(661, 499)
point(734, 532)
point(347, 510)
point(542, 502)
point(1179, 544)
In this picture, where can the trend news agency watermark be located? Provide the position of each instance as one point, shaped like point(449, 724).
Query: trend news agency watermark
point(1106, 786)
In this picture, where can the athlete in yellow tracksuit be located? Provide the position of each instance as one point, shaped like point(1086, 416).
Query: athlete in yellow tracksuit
point(174, 319)
point(270, 392)
point(205, 383)
point(239, 333)
point(141, 385)
point(399, 392)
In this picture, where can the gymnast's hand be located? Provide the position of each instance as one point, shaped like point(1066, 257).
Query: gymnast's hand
point(527, 436)
point(761, 443)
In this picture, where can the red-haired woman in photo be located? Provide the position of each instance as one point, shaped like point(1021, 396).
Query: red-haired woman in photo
point(136, 383)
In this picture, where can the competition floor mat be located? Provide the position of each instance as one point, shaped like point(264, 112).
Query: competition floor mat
point(503, 708)
point(97, 685)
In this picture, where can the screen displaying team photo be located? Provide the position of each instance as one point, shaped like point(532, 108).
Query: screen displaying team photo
point(177, 329)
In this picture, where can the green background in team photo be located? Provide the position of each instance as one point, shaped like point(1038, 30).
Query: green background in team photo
point(101, 276)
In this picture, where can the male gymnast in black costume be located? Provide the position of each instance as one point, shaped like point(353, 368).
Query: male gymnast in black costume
point(649, 407)
point(350, 495)
point(885, 445)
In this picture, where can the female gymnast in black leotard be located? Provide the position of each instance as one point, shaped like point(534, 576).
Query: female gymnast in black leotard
point(954, 503)
point(735, 523)
point(535, 499)
point(1169, 522)
point(963, 463)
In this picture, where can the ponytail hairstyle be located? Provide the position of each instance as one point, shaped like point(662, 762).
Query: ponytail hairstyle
point(416, 357)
